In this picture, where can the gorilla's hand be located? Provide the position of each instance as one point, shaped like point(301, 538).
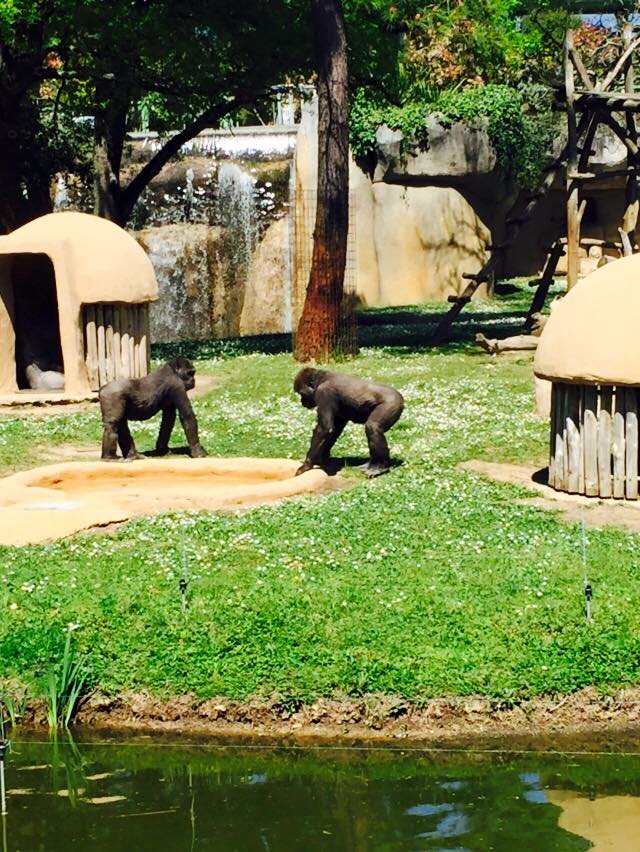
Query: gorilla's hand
point(303, 468)
point(161, 450)
point(198, 452)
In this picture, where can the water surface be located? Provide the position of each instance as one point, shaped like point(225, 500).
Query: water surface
point(147, 793)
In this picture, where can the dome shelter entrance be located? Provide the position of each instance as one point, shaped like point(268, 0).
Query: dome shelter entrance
point(29, 299)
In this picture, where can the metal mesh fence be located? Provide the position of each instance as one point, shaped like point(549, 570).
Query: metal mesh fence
point(301, 234)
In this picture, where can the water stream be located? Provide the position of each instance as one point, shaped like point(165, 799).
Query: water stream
point(155, 793)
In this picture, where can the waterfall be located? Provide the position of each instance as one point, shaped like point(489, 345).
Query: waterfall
point(236, 208)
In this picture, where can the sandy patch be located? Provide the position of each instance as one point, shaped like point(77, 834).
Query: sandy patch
point(23, 409)
point(574, 507)
point(55, 501)
point(204, 385)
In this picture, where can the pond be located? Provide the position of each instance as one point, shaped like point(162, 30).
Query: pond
point(157, 793)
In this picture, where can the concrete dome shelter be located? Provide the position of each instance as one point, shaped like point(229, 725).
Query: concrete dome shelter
point(74, 295)
point(590, 351)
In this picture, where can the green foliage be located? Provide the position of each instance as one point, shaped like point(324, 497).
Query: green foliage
point(479, 42)
point(368, 113)
point(521, 139)
point(63, 686)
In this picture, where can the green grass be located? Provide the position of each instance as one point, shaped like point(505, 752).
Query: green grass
point(428, 581)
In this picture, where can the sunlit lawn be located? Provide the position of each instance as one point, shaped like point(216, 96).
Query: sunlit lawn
point(427, 581)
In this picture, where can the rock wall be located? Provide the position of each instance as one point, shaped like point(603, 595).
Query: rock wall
point(217, 232)
point(229, 223)
point(418, 222)
point(203, 294)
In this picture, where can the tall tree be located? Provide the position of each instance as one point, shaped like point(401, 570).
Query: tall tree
point(62, 60)
point(319, 324)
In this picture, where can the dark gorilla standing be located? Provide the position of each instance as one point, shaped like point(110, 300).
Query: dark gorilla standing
point(139, 399)
point(340, 398)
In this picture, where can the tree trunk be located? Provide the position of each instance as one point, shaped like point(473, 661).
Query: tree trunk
point(110, 128)
point(319, 325)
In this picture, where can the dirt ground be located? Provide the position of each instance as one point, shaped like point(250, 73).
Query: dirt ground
point(585, 715)
point(54, 501)
point(573, 507)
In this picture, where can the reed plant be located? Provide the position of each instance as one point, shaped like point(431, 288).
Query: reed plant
point(63, 687)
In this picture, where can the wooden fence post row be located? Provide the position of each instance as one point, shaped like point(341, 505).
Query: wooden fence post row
point(116, 342)
point(594, 440)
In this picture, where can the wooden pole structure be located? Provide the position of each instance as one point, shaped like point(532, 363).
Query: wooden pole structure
point(630, 219)
point(573, 186)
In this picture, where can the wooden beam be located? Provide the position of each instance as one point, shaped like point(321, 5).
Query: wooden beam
point(582, 71)
point(612, 97)
point(573, 213)
point(546, 280)
point(620, 64)
point(630, 218)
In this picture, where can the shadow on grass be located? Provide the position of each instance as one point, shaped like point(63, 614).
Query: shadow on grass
point(541, 476)
point(340, 463)
point(398, 330)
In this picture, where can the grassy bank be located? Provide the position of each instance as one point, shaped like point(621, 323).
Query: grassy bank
point(425, 582)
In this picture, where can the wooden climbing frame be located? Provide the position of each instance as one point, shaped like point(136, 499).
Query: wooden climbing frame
point(588, 104)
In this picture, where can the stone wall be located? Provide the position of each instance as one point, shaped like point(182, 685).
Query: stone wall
point(231, 258)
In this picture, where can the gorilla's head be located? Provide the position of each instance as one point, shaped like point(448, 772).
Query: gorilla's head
point(184, 369)
point(305, 384)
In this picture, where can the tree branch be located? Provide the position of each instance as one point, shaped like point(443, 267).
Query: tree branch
point(619, 66)
point(139, 183)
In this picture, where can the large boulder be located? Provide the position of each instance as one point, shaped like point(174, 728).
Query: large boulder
point(267, 305)
point(452, 152)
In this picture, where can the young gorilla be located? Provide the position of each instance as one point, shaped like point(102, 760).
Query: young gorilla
point(340, 398)
point(165, 389)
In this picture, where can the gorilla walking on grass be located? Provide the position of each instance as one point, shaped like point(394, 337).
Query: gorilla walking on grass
point(165, 389)
point(339, 399)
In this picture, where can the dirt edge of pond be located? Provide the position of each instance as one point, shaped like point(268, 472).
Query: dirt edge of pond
point(370, 718)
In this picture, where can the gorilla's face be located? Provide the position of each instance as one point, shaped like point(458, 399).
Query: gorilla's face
point(188, 376)
point(307, 397)
point(304, 386)
point(186, 372)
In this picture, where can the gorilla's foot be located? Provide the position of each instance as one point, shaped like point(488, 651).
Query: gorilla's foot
point(371, 470)
point(110, 458)
point(133, 457)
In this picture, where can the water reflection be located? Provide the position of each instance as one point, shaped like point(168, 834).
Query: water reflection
point(149, 794)
point(609, 822)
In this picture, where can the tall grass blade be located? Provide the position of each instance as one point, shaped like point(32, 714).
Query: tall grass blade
point(62, 692)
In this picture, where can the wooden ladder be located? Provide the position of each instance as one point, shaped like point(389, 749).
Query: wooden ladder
point(515, 221)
